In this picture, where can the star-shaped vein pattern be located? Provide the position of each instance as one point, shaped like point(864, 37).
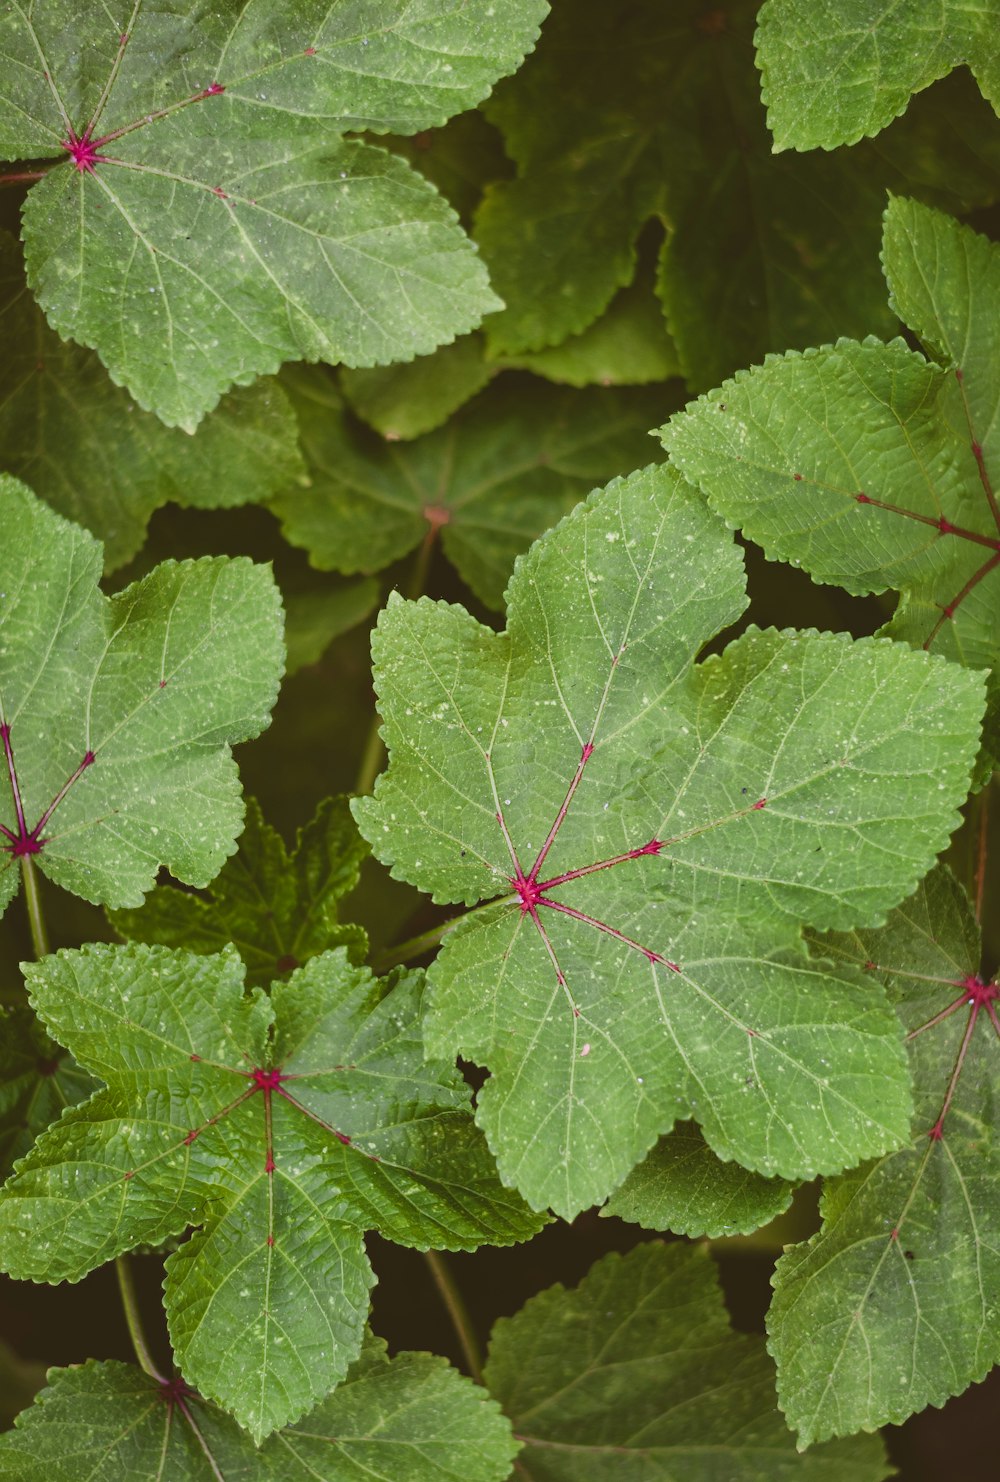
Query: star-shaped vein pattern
point(892, 1306)
point(870, 465)
point(117, 714)
point(655, 830)
point(208, 220)
point(282, 1127)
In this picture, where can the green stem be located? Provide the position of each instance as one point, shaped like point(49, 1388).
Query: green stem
point(457, 1311)
point(33, 900)
point(417, 946)
point(127, 1288)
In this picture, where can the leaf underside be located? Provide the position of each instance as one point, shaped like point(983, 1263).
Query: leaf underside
point(655, 832)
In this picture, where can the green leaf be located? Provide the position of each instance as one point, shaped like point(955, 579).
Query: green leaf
point(652, 113)
point(870, 465)
point(409, 1417)
point(403, 401)
point(637, 1373)
point(283, 1147)
point(492, 479)
point(277, 910)
point(675, 822)
point(117, 714)
point(682, 1186)
point(892, 1306)
point(38, 1081)
point(207, 220)
point(99, 459)
point(314, 618)
point(834, 73)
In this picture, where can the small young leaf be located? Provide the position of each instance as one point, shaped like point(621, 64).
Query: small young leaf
point(277, 910)
point(411, 1416)
point(99, 459)
point(38, 1081)
point(682, 1186)
point(869, 465)
point(831, 74)
point(637, 1373)
point(283, 1147)
point(117, 714)
point(497, 474)
point(208, 220)
point(892, 1306)
point(655, 831)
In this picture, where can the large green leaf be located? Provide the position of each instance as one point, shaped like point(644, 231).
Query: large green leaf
point(870, 465)
point(406, 1419)
point(117, 714)
point(282, 1126)
point(655, 830)
point(497, 474)
point(833, 73)
point(682, 1186)
point(38, 1081)
point(893, 1305)
point(208, 220)
point(99, 459)
point(637, 1373)
point(277, 910)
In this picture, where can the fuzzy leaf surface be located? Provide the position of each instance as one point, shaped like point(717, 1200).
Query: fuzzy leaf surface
point(682, 1186)
point(282, 1126)
point(637, 1373)
point(870, 465)
point(90, 452)
point(650, 832)
point(892, 1305)
point(208, 220)
point(411, 1417)
point(38, 1081)
point(277, 908)
point(831, 74)
point(117, 714)
point(497, 474)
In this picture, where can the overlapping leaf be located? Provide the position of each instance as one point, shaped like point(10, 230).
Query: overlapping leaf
point(637, 1373)
point(208, 220)
point(870, 465)
point(640, 110)
point(277, 910)
point(38, 1081)
point(655, 830)
point(682, 1186)
point(408, 1417)
point(498, 473)
point(833, 73)
point(98, 459)
point(282, 1126)
point(116, 715)
point(893, 1305)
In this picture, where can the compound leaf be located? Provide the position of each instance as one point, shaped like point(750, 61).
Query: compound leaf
point(650, 832)
point(38, 1080)
point(281, 1126)
point(411, 1416)
point(637, 1373)
point(99, 459)
point(117, 714)
point(500, 471)
point(831, 74)
point(277, 910)
point(892, 1305)
point(208, 220)
point(870, 465)
point(682, 1186)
